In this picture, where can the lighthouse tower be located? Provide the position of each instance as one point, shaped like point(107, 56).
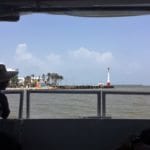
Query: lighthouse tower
point(108, 77)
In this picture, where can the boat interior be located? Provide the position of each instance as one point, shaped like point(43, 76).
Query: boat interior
point(90, 133)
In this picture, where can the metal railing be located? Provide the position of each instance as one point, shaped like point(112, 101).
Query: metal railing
point(21, 93)
point(115, 92)
point(44, 91)
point(101, 97)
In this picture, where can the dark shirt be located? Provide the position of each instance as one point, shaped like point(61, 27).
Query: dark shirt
point(4, 106)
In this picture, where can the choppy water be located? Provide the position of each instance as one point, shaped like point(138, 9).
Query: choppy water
point(79, 105)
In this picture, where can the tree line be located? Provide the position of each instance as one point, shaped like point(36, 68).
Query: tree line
point(49, 79)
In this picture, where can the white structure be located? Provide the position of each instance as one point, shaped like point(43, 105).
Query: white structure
point(21, 80)
point(108, 77)
point(100, 84)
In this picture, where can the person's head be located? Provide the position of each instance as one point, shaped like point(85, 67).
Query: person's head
point(142, 142)
point(141, 146)
point(5, 76)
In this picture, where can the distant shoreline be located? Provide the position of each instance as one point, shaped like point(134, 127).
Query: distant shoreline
point(78, 87)
point(63, 87)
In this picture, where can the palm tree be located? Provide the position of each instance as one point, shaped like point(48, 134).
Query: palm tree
point(33, 80)
point(43, 77)
point(27, 81)
point(32, 75)
point(14, 81)
point(49, 78)
point(53, 78)
point(60, 78)
point(56, 78)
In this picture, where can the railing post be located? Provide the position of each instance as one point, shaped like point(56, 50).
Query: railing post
point(20, 116)
point(28, 104)
point(103, 105)
point(99, 104)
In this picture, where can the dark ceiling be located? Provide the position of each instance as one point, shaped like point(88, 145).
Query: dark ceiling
point(11, 10)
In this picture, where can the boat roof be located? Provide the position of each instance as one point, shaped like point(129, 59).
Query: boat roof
point(11, 10)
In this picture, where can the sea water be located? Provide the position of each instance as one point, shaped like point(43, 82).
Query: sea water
point(84, 105)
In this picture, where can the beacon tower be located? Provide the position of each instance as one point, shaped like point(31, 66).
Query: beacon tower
point(108, 77)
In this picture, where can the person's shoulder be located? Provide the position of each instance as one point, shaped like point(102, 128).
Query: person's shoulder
point(2, 95)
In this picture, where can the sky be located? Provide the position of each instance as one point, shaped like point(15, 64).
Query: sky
point(81, 49)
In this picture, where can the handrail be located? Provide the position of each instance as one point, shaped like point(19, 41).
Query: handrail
point(118, 92)
point(101, 96)
point(64, 91)
point(21, 93)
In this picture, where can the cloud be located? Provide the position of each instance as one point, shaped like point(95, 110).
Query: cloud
point(22, 53)
point(54, 58)
point(81, 57)
point(85, 54)
point(80, 66)
point(76, 65)
point(27, 61)
point(132, 67)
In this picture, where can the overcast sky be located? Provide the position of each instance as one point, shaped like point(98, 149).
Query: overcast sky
point(79, 48)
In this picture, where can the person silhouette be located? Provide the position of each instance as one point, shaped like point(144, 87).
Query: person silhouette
point(9, 142)
point(137, 142)
point(4, 106)
point(5, 77)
